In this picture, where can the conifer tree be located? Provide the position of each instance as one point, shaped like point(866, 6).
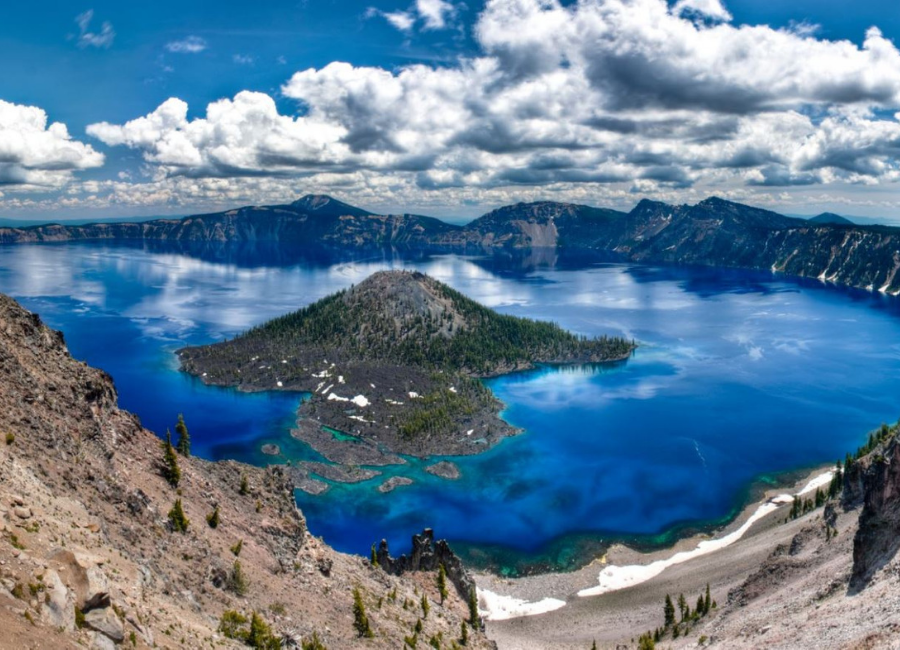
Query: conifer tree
point(360, 619)
point(213, 518)
point(682, 605)
point(708, 601)
point(442, 582)
point(260, 635)
point(184, 438)
point(464, 634)
point(669, 612)
point(373, 558)
point(178, 519)
point(425, 606)
point(238, 580)
point(170, 471)
point(474, 618)
point(245, 486)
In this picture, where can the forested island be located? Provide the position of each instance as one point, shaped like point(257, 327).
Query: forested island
point(393, 366)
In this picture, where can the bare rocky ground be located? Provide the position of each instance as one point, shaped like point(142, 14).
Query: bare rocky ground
point(83, 525)
point(782, 585)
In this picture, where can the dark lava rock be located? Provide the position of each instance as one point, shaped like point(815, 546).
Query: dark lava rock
point(428, 555)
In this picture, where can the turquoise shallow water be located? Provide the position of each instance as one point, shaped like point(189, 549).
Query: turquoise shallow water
point(739, 376)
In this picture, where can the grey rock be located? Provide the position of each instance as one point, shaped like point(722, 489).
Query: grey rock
point(102, 642)
point(105, 621)
point(59, 607)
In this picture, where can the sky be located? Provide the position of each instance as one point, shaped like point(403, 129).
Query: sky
point(112, 109)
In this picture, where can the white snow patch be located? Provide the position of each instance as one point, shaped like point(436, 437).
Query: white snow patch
point(613, 578)
point(332, 396)
point(362, 419)
point(817, 482)
point(452, 389)
point(413, 395)
point(321, 375)
point(279, 384)
point(341, 379)
point(327, 388)
point(495, 607)
point(470, 432)
point(360, 400)
point(372, 385)
point(284, 361)
point(393, 401)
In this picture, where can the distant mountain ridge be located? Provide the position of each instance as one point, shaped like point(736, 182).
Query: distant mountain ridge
point(714, 232)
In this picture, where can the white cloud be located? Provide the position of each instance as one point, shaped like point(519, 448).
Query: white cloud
point(35, 156)
point(187, 45)
point(435, 12)
point(709, 8)
point(102, 39)
point(624, 93)
point(402, 20)
point(434, 15)
point(243, 59)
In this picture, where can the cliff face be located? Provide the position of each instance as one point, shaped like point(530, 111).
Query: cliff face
point(878, 537)
point(312, 219)
point(712, 233)
point(84, 524)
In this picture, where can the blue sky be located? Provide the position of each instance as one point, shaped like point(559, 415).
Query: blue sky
point(448, 108)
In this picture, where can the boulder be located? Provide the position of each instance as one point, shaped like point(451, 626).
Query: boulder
point(102, 642)
point(87, 580)
point(107, 622)
point(59, 606)
point(22, 512)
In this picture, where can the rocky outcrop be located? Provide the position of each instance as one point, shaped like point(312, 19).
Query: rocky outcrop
point(878, 537)
point(428, 555)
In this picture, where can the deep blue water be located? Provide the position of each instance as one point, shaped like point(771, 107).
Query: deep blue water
point(740, 376)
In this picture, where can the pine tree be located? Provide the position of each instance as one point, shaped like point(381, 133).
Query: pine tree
point(425, 606)
point(314, 643)
point(213, 518)
point(442, 582)
point(360, 619)
point(682, 605)
point(170, 471)
point(698, 610)
point(184, 438)
point(245, 486)
point(594, 645)
point(178, 519)
point(474, 618)
point(464, 633)
point(260, 635)
point(238, 580)
point(708, 601)
point(669, 612)
point(373, 558)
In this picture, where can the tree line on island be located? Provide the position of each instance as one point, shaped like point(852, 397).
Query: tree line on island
point(465, 336)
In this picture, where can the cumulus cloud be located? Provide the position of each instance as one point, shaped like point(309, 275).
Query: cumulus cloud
point(632, 93)
point(86, 38)
point(38, 156)
point(187, 45)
